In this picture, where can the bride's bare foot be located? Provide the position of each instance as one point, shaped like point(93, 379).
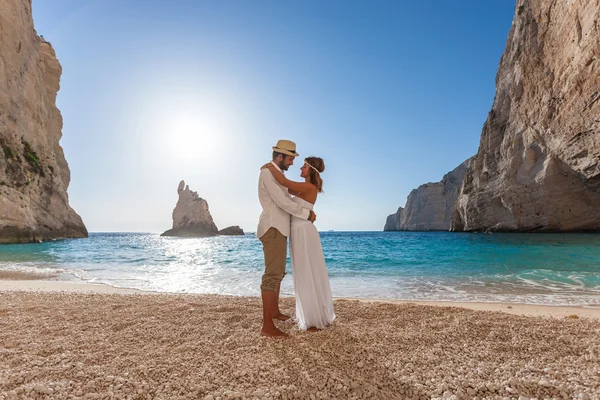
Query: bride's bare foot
point(313, 329)
point(274, 333)
point(281, 317)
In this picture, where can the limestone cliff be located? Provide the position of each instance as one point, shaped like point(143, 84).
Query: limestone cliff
point(191, 216)
point(430, 206)
point(538, 163)
point(34, 175)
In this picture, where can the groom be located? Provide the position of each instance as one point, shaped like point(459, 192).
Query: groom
point(273, 231)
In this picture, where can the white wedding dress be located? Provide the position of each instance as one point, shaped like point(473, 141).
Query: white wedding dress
point(314, 305)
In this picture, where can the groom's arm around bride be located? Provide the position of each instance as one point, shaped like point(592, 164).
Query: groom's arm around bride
point(280, 196)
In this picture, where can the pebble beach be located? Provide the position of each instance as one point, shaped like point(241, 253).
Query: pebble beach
point(115, 344)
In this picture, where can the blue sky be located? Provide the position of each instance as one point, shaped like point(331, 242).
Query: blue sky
point(392, 94)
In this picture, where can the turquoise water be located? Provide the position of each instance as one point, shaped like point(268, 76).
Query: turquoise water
point(524, 268)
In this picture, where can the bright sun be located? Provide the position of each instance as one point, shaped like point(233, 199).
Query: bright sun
point(196, 137)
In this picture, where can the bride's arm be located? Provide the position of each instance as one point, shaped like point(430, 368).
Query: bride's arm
point(293, 187)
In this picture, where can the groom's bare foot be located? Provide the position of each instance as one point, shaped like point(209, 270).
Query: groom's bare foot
point(274, 333)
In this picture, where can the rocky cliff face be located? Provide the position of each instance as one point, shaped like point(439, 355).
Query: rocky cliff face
point(191, 216)
point(430, 207)
point(34, 175)
point(538, 163)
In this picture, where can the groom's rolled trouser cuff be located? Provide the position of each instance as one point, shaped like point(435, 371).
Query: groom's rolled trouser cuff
point(275, 250)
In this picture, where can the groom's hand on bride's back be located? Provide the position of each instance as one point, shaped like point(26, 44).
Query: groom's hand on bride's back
point(312, 217)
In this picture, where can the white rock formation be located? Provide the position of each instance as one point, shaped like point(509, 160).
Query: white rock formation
point(430, 206)
point(538, 164)
point(191, 216)
point(34, 175)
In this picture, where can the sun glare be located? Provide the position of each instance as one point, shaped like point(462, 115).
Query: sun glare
point(196, 137)
point(190, 130)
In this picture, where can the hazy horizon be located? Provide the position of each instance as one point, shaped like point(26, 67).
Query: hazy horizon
point(391, 94)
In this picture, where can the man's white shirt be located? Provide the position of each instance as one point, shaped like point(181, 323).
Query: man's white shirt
point(277, 205)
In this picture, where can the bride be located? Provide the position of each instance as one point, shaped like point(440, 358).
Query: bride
point(314, 305)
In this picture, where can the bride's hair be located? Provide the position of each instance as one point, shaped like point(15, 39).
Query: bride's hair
point(317, 164)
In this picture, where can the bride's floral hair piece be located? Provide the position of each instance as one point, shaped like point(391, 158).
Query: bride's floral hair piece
point(316, 170)
point(317, 165)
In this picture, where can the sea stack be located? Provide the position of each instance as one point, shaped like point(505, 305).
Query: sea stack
point(34, 174)
point(191, 217)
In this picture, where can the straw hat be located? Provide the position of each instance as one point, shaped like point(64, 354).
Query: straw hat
point(286, 147)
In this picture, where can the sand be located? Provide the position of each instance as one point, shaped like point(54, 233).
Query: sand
point(62, 286)
point(23, 276)
point(22, 281)
point(91, 344)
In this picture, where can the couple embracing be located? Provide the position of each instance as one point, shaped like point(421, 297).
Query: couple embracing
point(288, 213)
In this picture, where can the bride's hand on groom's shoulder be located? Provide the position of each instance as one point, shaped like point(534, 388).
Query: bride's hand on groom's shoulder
point(270, 167)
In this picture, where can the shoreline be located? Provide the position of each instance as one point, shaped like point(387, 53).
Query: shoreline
point(534, 310)
point(29, 282)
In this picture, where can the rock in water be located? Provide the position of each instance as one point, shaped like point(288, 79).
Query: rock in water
point(430, 206)
point(231, 231)
point(34, 174)
point(191, 217)
point(538, 163)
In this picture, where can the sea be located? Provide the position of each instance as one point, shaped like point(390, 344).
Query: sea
point(549, 268)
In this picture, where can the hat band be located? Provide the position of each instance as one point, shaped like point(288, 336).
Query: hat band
point(281, 148)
